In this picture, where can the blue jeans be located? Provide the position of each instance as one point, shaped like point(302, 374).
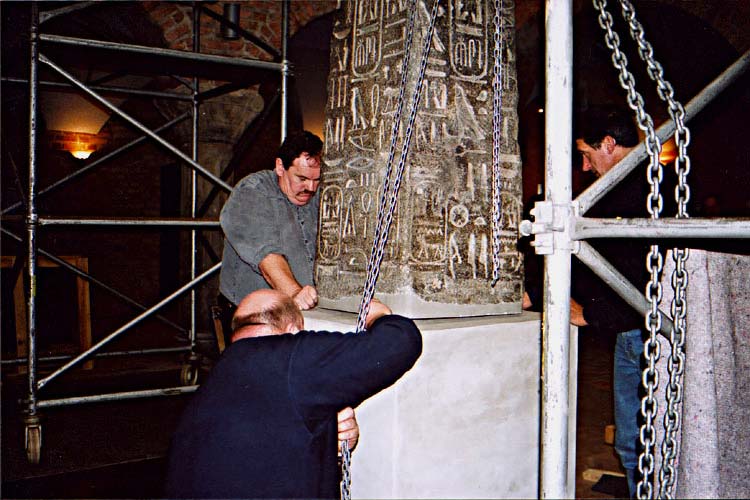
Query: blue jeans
point(627, 381)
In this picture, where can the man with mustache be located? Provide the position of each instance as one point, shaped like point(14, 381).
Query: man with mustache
point(270, 224)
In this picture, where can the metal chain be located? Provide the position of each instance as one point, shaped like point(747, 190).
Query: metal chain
point(650, 377)
point(676, 110)
point(654, 261)
point(378, 234)
point(675, 367)
point(346, 471)
point(381, 237)
point(678, 307)
point(497, 90)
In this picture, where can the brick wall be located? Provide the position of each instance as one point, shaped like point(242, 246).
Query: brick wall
point(261, 18)
point(76, 141)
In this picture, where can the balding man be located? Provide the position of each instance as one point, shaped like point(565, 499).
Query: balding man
point(264, 424)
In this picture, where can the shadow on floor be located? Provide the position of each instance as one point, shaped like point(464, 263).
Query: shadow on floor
point(110, 449)
point(615, 486)
point(138, 479)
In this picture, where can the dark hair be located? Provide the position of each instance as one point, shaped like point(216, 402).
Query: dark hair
point(278, 315)
point(596, 123)
point(297, 143)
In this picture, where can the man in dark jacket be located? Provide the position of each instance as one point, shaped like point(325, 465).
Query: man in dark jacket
point(264, 424)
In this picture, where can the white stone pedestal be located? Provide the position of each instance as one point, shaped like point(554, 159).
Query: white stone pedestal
point(463, 423)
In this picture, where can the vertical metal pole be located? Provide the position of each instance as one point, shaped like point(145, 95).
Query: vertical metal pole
point(558, 115)
point(193, 175)
point(31, 214)
point(284, 66)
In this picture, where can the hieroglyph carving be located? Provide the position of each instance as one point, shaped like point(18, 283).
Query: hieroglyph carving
point(440, 244)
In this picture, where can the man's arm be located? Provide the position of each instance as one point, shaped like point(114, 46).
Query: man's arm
point(331, 370)
point(276, 271)
point(576, 314)
point(348, 428)
point(576, 310)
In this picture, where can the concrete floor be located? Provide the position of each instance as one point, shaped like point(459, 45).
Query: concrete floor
point(116, 449)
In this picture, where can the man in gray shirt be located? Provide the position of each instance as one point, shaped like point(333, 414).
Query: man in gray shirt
point(270, 224)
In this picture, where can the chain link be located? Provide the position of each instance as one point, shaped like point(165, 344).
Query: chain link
point(679, 281)
point(385, 217)
point(654, 261)
point(497, 90)
point(678, 307)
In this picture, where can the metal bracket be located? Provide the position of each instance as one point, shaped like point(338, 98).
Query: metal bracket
point(548, 219)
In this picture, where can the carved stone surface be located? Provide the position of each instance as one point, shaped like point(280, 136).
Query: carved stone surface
point(438, 260)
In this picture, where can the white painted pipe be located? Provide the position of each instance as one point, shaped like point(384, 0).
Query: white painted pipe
point(555, 446)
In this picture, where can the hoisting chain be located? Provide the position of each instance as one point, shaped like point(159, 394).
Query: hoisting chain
point(679, 279)
point(385, 216)
point(654, 261)
point(378, 234)
point(497, 89)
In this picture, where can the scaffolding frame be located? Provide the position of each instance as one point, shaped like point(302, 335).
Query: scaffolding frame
point(35, 221)
point(560, 230)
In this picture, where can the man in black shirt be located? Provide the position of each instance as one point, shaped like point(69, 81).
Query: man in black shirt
point(606, 136)
point(264, 424)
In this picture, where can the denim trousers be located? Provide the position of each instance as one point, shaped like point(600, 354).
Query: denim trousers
point(627, 381)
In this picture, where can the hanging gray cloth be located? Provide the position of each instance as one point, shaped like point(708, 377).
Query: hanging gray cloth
point(714, 447)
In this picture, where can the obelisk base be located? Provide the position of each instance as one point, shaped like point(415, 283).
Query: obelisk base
point(464, 422)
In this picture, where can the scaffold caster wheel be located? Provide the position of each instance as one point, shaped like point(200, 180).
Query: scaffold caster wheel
point(189, 374)
point(33, 443)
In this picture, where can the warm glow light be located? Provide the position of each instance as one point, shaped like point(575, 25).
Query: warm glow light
point(82, 146)
point(668, 152)
point(540, 110)
point(81, 154)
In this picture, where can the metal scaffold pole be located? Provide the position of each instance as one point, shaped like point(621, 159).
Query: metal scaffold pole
point(284, 67)
point(33, 428)
point(194, 179)
point(555, 446)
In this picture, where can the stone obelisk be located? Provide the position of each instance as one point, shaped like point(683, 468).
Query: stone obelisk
point(464, 422)
point(439, 258)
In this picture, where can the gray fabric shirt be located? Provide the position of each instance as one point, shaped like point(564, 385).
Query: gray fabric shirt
point(258, 219)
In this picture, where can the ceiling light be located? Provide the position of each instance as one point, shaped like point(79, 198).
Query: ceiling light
point(81, 154)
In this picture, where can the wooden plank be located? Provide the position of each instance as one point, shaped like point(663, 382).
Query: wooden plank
point(84, 311)
point(594, 475)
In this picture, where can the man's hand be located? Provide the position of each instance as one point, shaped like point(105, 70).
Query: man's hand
point(526, 301)
point(377, 309)
point(348, 428)
point(276, 271)
point(306, 298)
point(576, 314)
